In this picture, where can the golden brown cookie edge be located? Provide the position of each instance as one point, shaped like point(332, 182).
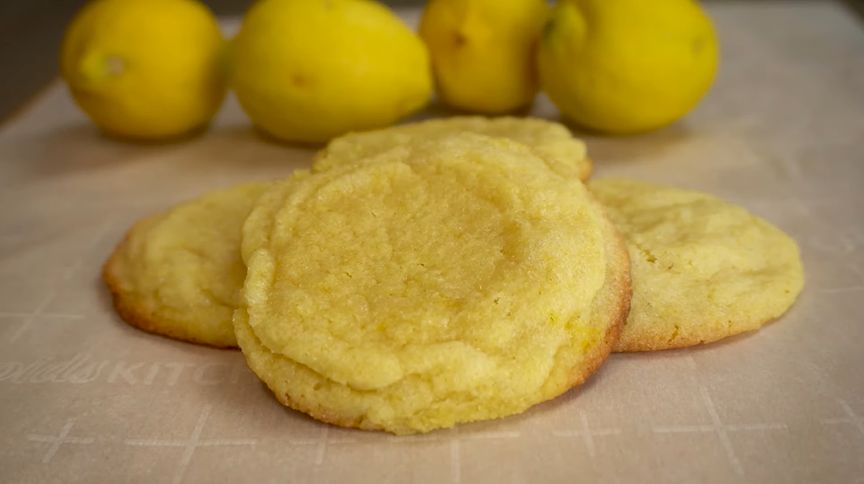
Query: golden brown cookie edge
point(617, 293)
point(135, 315)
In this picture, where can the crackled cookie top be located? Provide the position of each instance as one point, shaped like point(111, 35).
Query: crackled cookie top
point(702, 269)
point(550, 140)
point(437, 282)
point(178, 273)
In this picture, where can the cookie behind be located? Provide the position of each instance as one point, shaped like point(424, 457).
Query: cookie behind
point(179, 273)
point(702, 269)
point(552, 141)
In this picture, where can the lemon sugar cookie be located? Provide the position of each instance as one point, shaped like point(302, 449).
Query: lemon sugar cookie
point(434, 283)
point(178, 273)
point(702, 269)
point(553, 141)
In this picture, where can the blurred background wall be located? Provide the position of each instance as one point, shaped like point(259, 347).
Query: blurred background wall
point(30, 32)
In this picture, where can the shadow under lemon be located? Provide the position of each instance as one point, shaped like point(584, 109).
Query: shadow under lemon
point(246, 147)
point(72, 149)
point(81, 148)
point(605, 148)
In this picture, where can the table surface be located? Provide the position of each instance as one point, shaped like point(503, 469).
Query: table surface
point(85, 398)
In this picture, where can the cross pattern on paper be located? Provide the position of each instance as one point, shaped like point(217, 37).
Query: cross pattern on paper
point(587, 433)
point(722, 430)
point(190, 445)
point(691, 362)
point(789, 166)
point(851, 418)
point(58, 440)
point(30, 318)
point(455, 439)
point(7, 238)
point(41, 314)
point(801, 208)
point(843, 240)
point(858, 287)
point(38, 312)
point(322, 442)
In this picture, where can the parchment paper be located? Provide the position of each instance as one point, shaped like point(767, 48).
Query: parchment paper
point(85, 398)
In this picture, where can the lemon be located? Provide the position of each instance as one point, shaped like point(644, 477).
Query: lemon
point(483, 52)
point(310, 70)
point(145, 69)
point(627, 66)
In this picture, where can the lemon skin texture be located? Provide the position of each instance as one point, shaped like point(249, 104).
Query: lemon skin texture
point(483, 52)
point(624, 67)
point(309, 70)
point(145, 69)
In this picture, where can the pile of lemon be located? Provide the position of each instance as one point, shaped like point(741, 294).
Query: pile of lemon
point(306, 71)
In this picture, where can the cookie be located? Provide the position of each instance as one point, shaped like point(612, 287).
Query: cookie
point(550, 140)
point(178, 273)
point(435, 283)
point(702, 269)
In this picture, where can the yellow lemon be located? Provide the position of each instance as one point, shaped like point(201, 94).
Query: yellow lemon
point(627, 66)
point(483, 52)
point(309, 70)
point(145, 69)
